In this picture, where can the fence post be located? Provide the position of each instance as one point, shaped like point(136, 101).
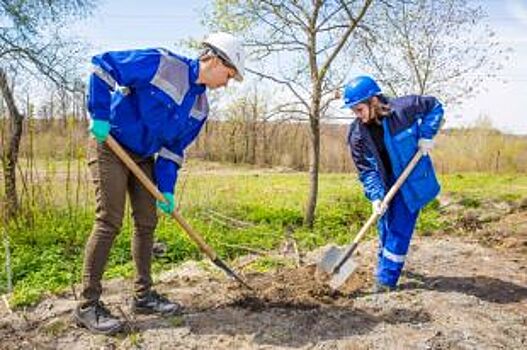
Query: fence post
point(9, 272)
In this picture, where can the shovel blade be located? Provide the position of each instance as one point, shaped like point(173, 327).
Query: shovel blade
point(330, 259)
point(341, 276)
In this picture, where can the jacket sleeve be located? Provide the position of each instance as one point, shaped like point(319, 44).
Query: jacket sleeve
point(366, 165)
point(430, 112)
point(166, 169)
point(99, 98)
point(118, 70)
point(170, 158)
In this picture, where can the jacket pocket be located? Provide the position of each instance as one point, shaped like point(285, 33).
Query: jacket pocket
point(405, 143)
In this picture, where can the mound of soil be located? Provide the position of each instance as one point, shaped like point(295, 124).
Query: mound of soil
point(509, 233)
point(298, 288)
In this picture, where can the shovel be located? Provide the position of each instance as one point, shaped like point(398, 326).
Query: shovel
point(338, 262)
point(195, 236)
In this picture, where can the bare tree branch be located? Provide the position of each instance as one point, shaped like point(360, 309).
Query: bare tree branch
point(288, 84)
point(344, 38)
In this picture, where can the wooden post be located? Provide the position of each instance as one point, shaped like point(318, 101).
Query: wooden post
point(8, 270)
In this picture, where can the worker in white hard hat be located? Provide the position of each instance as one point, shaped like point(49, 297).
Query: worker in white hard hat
point(154, 103)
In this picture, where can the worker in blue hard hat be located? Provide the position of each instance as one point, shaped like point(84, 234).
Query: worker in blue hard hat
point(383, 138)
point(154, 103)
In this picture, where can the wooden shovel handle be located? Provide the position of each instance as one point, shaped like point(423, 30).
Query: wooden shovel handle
point(149, 185)
point(374, 216)
point(391, 193)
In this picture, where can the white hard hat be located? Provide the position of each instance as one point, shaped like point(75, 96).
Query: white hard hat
point(228, 48)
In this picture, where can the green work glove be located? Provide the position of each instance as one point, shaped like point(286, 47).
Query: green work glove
point(168, 208)
point(100, 129)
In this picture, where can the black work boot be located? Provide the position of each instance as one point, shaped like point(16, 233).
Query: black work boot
point(97, 318)
point(152, 302)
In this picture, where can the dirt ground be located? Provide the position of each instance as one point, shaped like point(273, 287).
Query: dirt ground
point(466, 292)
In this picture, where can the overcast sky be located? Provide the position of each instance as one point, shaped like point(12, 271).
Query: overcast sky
point(119, 24)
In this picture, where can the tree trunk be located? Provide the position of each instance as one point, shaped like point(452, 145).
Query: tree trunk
point(254, 124)
point(314, 166)
point(84, 108)
point(254, 143)
point(247, 139)
point(63, 109)
point(314, 121)
point(206, 136)
point(10, 156)
point(265, 143)
point(232, 143)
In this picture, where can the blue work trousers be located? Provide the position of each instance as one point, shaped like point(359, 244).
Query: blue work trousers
point(395, 230)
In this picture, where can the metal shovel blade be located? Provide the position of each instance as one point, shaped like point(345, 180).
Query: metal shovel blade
point(344, 272)
point(231, 273)
point(330, 258)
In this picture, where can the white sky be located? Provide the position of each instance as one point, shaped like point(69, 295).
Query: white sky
point(503, 102)
point(120, 24)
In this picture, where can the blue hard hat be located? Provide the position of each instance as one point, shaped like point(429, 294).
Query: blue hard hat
point(358, 90)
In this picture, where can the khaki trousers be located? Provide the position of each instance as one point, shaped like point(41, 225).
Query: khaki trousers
point(112, 181)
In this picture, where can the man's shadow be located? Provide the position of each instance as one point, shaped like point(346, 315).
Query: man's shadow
point(483, 287)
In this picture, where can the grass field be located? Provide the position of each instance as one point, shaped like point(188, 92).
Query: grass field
point(237, 210)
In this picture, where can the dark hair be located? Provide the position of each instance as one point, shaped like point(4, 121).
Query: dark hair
point(381, 108)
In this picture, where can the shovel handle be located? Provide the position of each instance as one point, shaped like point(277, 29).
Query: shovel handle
point(374, 216)
point(402, 178)
point(391, 193)
point(149, 185)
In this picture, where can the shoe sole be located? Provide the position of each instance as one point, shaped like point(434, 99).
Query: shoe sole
point(148, 311)
point(79, 323)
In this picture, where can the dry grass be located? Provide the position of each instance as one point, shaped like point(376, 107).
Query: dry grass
point(286, 144)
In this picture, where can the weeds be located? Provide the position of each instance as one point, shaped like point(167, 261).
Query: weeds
point(268, 263)
point(176, 321)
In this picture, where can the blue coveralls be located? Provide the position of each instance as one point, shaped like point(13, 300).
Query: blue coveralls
point(153, 103)
point(411, 118)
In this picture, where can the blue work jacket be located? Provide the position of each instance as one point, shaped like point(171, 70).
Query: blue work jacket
point(411, 118)
point(153, 104)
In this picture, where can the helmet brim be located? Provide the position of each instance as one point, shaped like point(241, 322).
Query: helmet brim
point(354, 103)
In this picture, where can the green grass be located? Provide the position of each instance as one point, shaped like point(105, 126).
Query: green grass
point(479, 186)
point(47, 244)
point(267, 263)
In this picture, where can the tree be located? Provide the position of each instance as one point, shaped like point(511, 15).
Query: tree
point(31, 43)
point(297, 44)
point(437, 47)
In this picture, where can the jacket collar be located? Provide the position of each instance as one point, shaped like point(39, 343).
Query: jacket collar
point(193, 76)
